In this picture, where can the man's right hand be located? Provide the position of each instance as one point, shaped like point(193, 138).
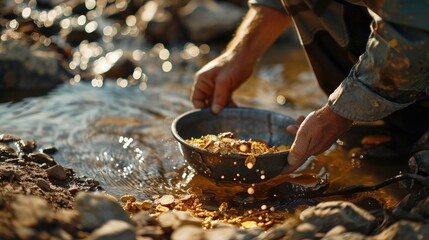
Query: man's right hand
point(217, 80)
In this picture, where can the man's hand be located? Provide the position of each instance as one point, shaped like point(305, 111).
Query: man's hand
point(314, 134)
point(216, 81)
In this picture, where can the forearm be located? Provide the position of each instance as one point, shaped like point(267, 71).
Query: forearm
point(258, 30)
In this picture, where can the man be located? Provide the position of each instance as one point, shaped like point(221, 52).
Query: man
point(372, 59)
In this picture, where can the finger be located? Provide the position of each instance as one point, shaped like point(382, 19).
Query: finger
point(299, 150)
point(202, 93)
point(220, 97)
point(199, 100)
point(292, 129)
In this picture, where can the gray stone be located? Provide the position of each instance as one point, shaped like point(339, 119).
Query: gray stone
point(304, 231)
point(29, 64)
point(8, 138)
point(404, 230)
point(26, 146)
point(57, 172)
point(175, 219)
point(422, 208)
point(96, 209)
point(336, 230)
point(327, 215)
point(346, 235)
point(208, 19)
point(154, 232)
point(113, 230)
point(420, 162)
point(221, 233)
point(143, 219)
point(42, 158)
point(188, 232)
point(30, 211)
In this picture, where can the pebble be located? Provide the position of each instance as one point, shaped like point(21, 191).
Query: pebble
point(114, 229)
point(42, 158)
point(57, 172)
point(189, 232)
point(7, 151)
point(96, 209)
point(49, 150)
point(221, 233)
point(420, 162)
point(175, 219)
point(143, 219)
point(43, 184)
point(404, 229)
point(30, 211)
point(8, 138)
point(26, 146)
point(327, 215)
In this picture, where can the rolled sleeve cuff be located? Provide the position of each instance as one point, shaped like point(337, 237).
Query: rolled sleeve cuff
point(272, 4)
point(354, 101)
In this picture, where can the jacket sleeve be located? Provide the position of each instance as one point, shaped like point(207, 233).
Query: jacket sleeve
point(391, 74)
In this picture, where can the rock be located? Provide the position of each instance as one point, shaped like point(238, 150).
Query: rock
point(346, 235)
point(114, 229)
point(422, 143)
point(43, 184)
point(30, 211)
point(122, 68)
point(279, 231)
point(25, 64)
point(7, 151)
point(153, 232)
point(189, 232)
point(327, 215)
point(96, 209)
point(49, 150)
point(336, 231)
point(404, 230)
point(422, 208)
point(158, 22)
point(26, 146)
point(42, 158)
point(8, 138)
point(143, 219)
point(57, 172)
point(68, 220)
point(221, 233)
point(175, 219)
point(208, 19)
point(305, 231)
point(420, 162)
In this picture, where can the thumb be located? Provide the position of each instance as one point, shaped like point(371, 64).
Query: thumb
point(297, 153)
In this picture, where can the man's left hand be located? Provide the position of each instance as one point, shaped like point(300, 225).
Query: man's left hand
point(315, 134)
